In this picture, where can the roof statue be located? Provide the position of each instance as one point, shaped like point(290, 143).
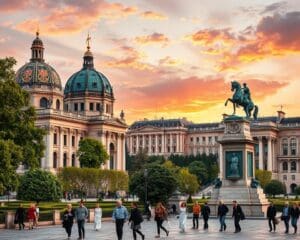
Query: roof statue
point(242, 97)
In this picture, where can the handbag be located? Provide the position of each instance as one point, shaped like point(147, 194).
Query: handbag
point(276, 220)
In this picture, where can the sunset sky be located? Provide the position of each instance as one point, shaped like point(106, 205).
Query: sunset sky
point(168, 58)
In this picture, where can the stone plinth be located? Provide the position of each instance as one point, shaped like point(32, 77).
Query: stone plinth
point(9, 220)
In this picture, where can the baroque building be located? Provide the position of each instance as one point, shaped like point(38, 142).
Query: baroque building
point(277, 147)
point(84, 108)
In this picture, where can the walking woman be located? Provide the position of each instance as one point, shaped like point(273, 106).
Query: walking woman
point(68, 220)
point(182, 217)
point(160, 216)
point(295, 213)
point(98, 217)
point(31, 215)
point(19, 217)
point(135, 220)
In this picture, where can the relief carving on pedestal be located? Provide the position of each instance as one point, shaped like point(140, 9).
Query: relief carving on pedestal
point(233, 128)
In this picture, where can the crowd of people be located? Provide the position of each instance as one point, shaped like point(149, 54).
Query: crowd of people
point(121, 215)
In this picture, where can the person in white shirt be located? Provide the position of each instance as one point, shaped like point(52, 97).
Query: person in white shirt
point(98, 217)
point(182, 217)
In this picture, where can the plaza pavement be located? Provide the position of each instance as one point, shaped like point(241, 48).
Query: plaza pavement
point(251, 229)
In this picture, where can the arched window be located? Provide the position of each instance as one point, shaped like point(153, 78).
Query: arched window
point(293, 146)
point(293, 187)
point(54, 160)
point(293, 166)
point(285, 147)
point(57, 104)
point(284, 166)
point(65, 159)
point(43, 102)
point(73, 160)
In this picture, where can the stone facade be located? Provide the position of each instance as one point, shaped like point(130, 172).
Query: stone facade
point(277, 142)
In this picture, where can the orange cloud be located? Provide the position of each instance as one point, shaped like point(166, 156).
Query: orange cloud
point(155, 38)
point(153, 15)
point(74, 16)
point(169, 62)
point(13, 5)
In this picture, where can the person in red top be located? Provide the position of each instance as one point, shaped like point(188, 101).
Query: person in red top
point(196, 213)
point(160, 216)
point(31, 215)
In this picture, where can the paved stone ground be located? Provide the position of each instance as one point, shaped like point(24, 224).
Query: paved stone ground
point(251, 229)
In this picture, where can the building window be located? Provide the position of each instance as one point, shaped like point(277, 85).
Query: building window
point(75, 106)
point(197, 139)
point(284, 178)
point(65, 159)
point(209, 140)
point(66, 107)
point(98, 106)
point(285, 147)
point(57, 104)
point(293, 166)
point(203, 140)
point(216, 139)
point(293, 146)
point(168, 149)
point(174, 149)
point(65, 140)
point(284, 166)
point(54, 160)
point(73, 160)
point(159, 149)
point(191, 139)
point(82, 106)
point(55, 138)
point(91, 106)
point(43, 102)
point(293, 177)
point(73, 141)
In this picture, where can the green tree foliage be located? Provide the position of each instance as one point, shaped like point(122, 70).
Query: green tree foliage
point(91, 153)
point(263, 176)
point(160, 183)
point(275, 187)
point(39, 185)
point(17, 125)
point(199, 169)
point(85, 180)
point(297, 191)
point(188, 183)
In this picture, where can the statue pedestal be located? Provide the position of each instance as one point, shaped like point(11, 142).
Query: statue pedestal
point(237, 169)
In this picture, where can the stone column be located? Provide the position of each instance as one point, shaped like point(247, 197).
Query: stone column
point(221, 161)
point(274, 156)
point(118, 161)
point(107, 149)
point(130, 144)
point(177, 143)
point(270, 161)
point(171, 143)
point(56, 217)
point(163, 138)
point(61, 147)
point(260, 154)
point(156, 144)
point(69, 156)
point(150, 144)
point(123, 154)
point(143, 142)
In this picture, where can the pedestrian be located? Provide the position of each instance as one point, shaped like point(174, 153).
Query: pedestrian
point(119, 216)
point(174, 209)
point(148, 210)
point(238, 215)
point(160, 216)
point(31, 216)
point(205, 212)
point(135, 220)
point(196, 213)
point(37, 214)
point(285, 217)
point(295, 212)
point(222, 211)
point(271, 215)
point(81, 215)
point(68, 220)
point(98, 217)
point(182, 217)
point(19, 217)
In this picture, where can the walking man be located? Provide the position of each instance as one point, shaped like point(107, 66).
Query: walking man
point(286, 214)
point(295, 213)
point(205, 214)
point(271, 215)
point(119, 216)
point(222, 211)
point(196, 212)
point(238, 215)
point(81, 215)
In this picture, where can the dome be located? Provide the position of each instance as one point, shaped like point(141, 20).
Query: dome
point(37, 72)
point(88, 81)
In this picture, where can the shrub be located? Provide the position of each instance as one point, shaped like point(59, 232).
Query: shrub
point(275, 187)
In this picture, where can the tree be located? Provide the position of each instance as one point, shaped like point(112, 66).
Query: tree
point(297, 190)
point(39, 185)
point(160, 184)
point(275, 187)
point(199, 169)
point(188, 183)
point(17, 129)
point(139, 160)
point(263, 176)
point(91, 153)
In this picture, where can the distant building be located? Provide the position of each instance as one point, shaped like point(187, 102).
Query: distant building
point(277, 147)
point(84, 108)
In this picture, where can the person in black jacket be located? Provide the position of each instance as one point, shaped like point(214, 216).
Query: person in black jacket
point(136, 219)
point(19, 217)
point(222, 211)
point(68, 220)
point(295, 213)
point(238, 215)
point(286, 215)
point(205, 212)
point(271, 215)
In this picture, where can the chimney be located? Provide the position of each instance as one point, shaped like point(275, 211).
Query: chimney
point(280, 116)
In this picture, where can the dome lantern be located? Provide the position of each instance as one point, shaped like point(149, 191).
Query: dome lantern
point(37, 49)
point(88, 59)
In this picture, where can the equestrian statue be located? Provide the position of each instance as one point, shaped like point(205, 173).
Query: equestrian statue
point(242, 97)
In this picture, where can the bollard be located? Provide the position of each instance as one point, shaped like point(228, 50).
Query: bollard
point(91, 215)
point(9, 220)
point(56, 217)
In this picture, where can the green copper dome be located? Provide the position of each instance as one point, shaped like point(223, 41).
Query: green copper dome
point(88, 81)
